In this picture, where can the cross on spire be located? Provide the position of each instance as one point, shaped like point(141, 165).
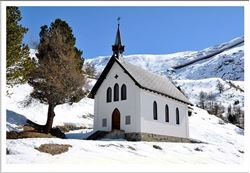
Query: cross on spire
point(118, 20)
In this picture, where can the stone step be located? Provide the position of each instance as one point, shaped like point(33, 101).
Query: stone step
point(97, 135)
point(115, 134)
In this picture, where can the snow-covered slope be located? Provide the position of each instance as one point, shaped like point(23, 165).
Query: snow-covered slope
point(227, 65)
point(224, 142)
point(227, 62)
point(230, 95)
point(78, 114)
point(200, 70)
point(224, 145)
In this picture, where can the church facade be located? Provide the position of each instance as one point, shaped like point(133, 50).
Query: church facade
point(137, 101)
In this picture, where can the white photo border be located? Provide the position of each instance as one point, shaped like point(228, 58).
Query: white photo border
point(123, 167)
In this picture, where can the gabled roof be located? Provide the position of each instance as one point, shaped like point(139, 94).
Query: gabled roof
point(144, 80)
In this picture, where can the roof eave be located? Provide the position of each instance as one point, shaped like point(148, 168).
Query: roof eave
point(145, 88)
point(105, 72)
point(101, 78)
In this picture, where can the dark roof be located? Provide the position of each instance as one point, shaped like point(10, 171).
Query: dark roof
point(144, 80)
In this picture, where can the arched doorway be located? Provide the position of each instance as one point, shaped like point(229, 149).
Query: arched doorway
point(116, 119)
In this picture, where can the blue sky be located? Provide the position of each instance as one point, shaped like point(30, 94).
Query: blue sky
point(145, 30)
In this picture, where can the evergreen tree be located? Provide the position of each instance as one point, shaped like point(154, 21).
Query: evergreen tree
point(18, 62)
point(232, 119)
point(58, 77)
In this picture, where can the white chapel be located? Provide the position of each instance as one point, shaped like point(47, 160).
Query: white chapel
point(144, 105)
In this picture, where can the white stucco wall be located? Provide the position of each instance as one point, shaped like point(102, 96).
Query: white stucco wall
point(130, 106)
point(159, 126)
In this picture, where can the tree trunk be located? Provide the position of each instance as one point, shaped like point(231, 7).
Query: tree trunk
point(50, 118)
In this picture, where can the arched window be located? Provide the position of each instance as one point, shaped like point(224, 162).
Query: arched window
point(109, 94)
point(177, 116)
point(155, 110)
point(124, 92)
point(116, 92)
point(166, 113)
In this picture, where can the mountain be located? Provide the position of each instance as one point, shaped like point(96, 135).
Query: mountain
point(198, 71)
point(225, 61)
point(193, 71)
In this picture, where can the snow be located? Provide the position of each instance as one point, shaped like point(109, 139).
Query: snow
point(224, 146)
point(223, 142)
point(78, 114)
point(192, 89)
point(33, 53)
point(80, 134)
point(228, 65)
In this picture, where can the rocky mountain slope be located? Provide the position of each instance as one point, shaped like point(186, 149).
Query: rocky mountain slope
point(225, 61)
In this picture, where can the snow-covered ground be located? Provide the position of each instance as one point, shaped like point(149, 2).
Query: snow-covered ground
point(224, 143)
point(78, 114)
point(224, 146)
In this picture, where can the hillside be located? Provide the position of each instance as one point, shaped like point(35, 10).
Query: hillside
point(224, 141)
point(198, 71)
point(227, 62)
point(230, 95)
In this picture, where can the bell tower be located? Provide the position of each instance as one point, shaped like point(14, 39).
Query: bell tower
point(118, 48)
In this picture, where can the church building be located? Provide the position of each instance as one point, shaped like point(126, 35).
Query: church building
point(143, 105)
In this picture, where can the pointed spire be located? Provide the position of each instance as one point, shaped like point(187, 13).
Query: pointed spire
point(118, 36)
point(118, 48)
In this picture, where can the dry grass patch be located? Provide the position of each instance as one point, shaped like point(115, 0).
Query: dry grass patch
point(53, 149)
point(27, 134)
point(69, 127)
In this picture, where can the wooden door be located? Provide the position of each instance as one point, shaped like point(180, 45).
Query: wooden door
point(116, 119)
